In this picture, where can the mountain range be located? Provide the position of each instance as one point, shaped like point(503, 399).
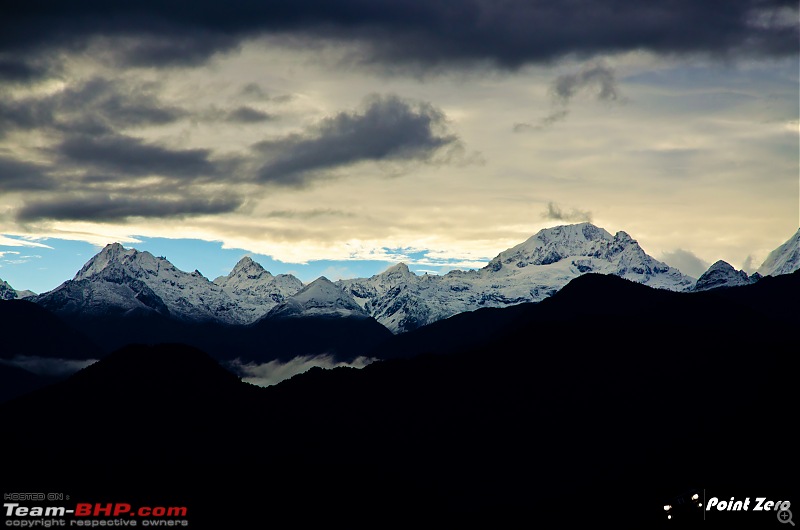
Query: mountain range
point(129, 283)
point(563, 412)
point(528, 272)
point(613, 391)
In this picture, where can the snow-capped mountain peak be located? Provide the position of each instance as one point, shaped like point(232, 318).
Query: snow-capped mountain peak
point(551, 245)
point(113, 253)
point(319, 292)
point(127, 280)
point(396, 275)
point(255, 289)
point(6, 291)
point(783, 260)
point(319, 298)
point(249, 268)
point(399, 269)
point(130, 280)
point(623, 237)
point(721, 274)
point(588, 248)
point(115, 259)
point(528, 272)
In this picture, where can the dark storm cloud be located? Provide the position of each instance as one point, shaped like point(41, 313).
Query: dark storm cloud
point(425, 33)
point(16, 175)
point(70, 189)
point(97, 106)
point(132, 156)
point(387, 129)
point(189, 49)
point(105, 207)
point(100, 106)
point(131, 110)
point(554, 212)
point(14, 70)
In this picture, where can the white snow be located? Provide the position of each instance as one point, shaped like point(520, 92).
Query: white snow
point(319, 298)
point(721, 274)
point(255, 290)
point(783, 260)
point(528, 272)
point(129, 280)
point(114, 274)
point(7, 292)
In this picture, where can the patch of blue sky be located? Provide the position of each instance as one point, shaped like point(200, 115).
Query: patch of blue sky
point(44, 267)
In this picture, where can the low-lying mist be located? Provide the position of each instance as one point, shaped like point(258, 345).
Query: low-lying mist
point(273, 372)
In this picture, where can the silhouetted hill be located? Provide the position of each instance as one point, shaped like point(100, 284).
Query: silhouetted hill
point(605, 297)
point(771, 296)
point(29, 329)
point(269, 339)
point(115, 331)
point(283, 338)
point(581, 410)
point(162, 367)
point(15, 381)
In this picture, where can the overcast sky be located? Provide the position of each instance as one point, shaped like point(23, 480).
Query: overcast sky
point(339, 136)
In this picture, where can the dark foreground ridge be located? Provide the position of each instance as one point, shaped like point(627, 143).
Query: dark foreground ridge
point(29, 329)
point(590, 408)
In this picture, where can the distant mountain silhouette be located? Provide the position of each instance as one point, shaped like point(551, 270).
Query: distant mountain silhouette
point(589, 407)
point(29, 329)
point(344, 338)
point(284, 338)
point(15, 381)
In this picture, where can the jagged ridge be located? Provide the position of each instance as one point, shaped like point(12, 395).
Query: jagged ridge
point(256, 290)
point(118, 280)
point(528, 272)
